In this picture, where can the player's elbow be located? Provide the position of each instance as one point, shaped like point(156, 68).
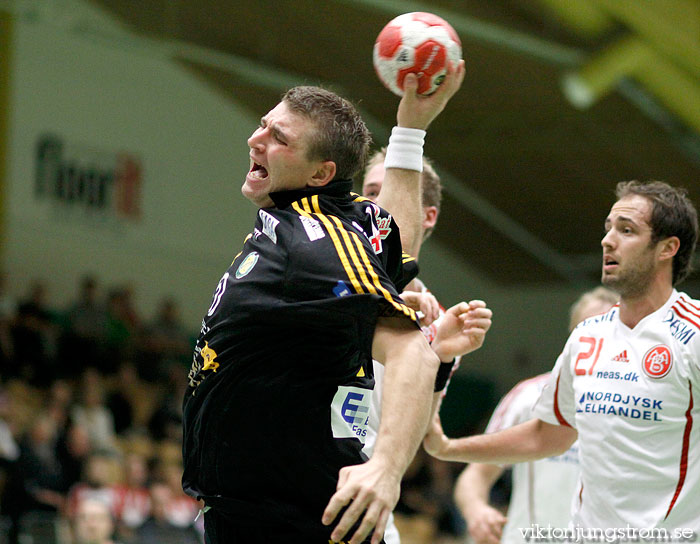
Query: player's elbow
point(554, 439)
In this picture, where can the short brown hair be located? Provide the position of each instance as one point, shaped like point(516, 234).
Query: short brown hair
point(430, 182)
point(341, 136)
point(672, 214)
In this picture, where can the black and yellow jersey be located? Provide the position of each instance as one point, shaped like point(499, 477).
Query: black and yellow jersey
point(279, 390)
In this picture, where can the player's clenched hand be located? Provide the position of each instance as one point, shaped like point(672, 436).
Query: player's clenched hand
point(426, 303)
point(372, 489)
point(485, 524)
point(462, 329)
point(418, 111)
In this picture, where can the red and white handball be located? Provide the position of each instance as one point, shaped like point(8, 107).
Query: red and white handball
point(420, 43)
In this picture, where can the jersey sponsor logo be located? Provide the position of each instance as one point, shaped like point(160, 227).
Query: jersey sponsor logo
point(269, 225)
point(681, 331)
point(350, 412)
point(247, 265)
point(204, 360)
point(657, 362)
point(614, 375)
point(617, 404)
point(341, 289)
point(381, 227)
point(209, 358)
point(621, 357)
point(313, 228)
point(609, 316)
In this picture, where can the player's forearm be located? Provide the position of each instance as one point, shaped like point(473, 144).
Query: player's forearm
point(474, 485)
point(528, 441)
point(401, 196)
point(407, 401)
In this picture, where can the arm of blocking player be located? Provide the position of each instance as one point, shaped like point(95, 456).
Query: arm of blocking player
point(401, 192)
point(472, 490)
point(373, 488)
point(528, 441)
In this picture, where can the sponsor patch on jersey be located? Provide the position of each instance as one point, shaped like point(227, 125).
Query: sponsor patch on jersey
point(657, 362)
point(380, 227)
point(341, 289)
point(209, 358)
point(608, 403)
point(269, 225)
point(247, 264)
point(313, 228)
point(621, 357)
point(350, 412)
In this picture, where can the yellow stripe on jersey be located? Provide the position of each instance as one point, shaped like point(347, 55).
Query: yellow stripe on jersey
point(353, 254)
point(327, 221)
point(307, 206)
point(250, 235)
point(406, 258)
point(306, 211)
point(375, 278)
point(359, 198)
point(348, 237)
point(367, 264)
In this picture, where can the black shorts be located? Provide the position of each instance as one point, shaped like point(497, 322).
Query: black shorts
point(222, 528)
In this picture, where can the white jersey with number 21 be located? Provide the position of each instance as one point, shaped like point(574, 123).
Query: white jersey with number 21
point(633, 395)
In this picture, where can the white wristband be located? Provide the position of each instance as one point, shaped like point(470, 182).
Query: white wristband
point(405, 149)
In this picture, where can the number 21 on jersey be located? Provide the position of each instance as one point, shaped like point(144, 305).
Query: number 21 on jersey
point(590, 349)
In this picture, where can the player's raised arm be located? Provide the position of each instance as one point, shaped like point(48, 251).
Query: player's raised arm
point(401, 190)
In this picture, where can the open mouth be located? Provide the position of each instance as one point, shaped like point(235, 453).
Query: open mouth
point(258, 171)
point(609, 261)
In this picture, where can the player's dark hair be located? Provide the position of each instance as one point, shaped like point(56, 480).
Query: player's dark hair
point(672, 214)
point(341, 135)
point(430, 182)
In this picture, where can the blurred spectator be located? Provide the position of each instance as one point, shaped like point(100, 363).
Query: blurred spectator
point(34, 337)
point(73, 452)
point(36, 489)
point(99, 480)
point(166, 423)
point(86, 316)
point(129, 308)
point(9, 449)
point(131, 400)
point(122, 328)
point(59, 402)
point(165, 340)
point(159, 527)
point(93, 523)
point(92, 413)
point(132, 498)
point(182, 509)
point(86, 329)
point(8, 308)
